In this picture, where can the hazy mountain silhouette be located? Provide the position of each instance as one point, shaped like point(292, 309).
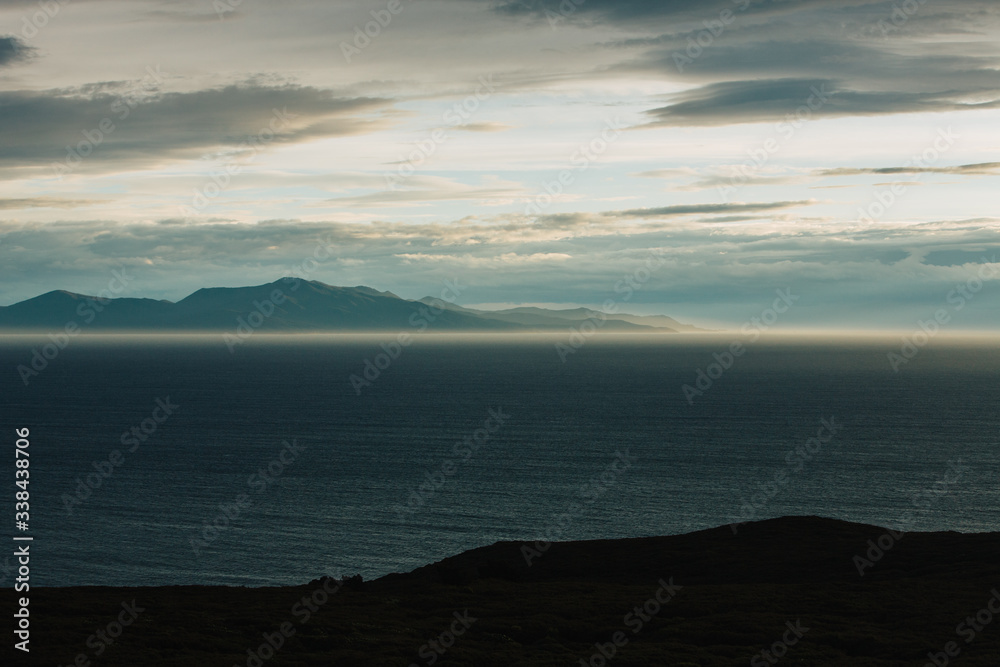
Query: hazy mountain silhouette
point(558, 319)
point(291, 305)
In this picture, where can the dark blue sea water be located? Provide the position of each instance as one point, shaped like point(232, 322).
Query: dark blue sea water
point(556, 466)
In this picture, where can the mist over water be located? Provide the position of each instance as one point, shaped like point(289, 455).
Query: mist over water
point(603, 445)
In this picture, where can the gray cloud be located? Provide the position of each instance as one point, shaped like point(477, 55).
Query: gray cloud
point(141, 131)
point(597, 221)
point(758, 69)
point(671, 211)
point(13, 50)
point(980, 169)
point(636, 11)
point(48, 202)
point(960, 257)
point(767, 100)
point(715, 178)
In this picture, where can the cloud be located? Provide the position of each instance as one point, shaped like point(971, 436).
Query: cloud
point(138, 129)
point(609, 223)
point(979, 169)
point(425, 189)
point(762, 64)
point(641, 11)
point(483, 127)
point(48, 202)
point(665, 173)
point(761, 101)
point(696, 209)
point(321, 178)
point(962, 257)
point(501, 261)
point(723, 176)
point(730, 176)
point(13, 50)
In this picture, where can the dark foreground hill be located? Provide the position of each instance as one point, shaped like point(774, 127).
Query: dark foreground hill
point(785, 591)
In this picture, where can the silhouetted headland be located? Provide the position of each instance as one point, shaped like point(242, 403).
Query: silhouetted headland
point(816, 591)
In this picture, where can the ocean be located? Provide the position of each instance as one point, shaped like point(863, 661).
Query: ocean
point(166, 460)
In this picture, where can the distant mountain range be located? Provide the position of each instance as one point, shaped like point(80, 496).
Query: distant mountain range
point(294, 305)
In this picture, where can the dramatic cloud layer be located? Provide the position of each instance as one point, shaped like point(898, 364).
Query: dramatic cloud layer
point(537, 150)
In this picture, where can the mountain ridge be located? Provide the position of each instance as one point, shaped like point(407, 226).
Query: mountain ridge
point(296, 305)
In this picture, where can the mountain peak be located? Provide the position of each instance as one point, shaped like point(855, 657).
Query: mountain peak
point(295, 304)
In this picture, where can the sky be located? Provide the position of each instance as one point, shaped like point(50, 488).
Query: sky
point(532, 152)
